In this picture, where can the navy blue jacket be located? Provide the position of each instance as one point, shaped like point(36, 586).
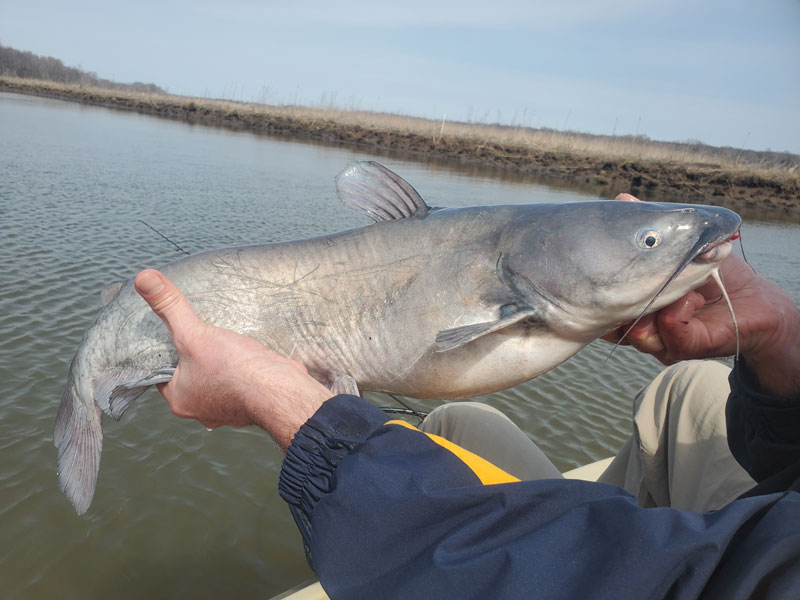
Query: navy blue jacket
point(391, 512)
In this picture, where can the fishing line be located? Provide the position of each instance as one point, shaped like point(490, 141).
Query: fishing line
point(177, 248)
point(406, 410)
point(744, 256)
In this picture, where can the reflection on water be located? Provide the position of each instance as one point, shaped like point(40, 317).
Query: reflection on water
point(181, 512)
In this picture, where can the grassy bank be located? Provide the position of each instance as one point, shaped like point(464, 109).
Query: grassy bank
point(755, 183)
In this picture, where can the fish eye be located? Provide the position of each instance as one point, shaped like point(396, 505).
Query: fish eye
point(648, 237)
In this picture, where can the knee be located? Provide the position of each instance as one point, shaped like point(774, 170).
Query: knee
point(460, 415)
point(464, 408)
point(695, 375)
point(692, 384)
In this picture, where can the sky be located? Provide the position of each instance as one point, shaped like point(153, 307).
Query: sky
point(724, 72)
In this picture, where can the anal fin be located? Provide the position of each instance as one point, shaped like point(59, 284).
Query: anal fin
point(345, 384)
point(116, 389)
point(126, 392)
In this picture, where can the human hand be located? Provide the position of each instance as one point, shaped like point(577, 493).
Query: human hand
point(699, 325)
point(224, 378)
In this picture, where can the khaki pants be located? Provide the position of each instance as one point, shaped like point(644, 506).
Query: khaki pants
point(677, 456)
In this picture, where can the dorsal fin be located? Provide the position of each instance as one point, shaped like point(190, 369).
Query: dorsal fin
point(111, 291)
point(375, 191)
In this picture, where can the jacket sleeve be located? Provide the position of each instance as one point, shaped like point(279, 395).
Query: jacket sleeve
point(763, 430)
point(396, 513)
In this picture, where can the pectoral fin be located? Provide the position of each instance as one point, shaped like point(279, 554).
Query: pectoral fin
point(450, 339)
point(111, 291)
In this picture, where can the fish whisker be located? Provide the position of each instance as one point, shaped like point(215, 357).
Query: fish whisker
point(718, 280)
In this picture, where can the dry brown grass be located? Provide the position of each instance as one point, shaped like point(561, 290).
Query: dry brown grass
point(637, 148)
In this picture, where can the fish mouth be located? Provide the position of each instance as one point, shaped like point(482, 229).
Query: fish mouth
point(709, 248)
point(717, 251)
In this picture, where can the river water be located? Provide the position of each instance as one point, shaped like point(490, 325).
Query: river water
point(180, 512)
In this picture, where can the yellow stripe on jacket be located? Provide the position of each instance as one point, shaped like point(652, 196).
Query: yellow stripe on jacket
point(485, 471)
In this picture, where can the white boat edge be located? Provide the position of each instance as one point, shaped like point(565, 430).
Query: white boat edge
point(590, 472)
point(309, 590)
point(313, 590)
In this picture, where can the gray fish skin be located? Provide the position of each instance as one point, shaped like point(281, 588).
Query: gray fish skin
point(426, 302)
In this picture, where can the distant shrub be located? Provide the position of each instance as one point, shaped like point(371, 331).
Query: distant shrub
point(28, 65)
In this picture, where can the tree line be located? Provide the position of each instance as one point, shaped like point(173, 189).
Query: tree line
point(18, 63)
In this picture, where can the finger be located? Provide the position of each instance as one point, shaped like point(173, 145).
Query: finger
point(613, 336)
point(167, 302)
point(675, 323)
point(617, 336)
point(167, 390)
point(627, 198)
point(645, 337)
point(181, 405)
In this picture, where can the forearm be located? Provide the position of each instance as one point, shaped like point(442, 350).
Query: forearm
point(282, 404)
point(763, 410)
point(773, 354)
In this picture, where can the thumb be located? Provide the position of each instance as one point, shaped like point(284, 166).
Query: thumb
point(167, 302)
point(627, 198)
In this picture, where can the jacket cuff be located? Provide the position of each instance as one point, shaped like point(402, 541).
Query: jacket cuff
point(340, 426)
point(744, 385)
point(762, 428)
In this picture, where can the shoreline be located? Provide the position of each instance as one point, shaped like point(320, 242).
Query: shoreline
point(641, 167)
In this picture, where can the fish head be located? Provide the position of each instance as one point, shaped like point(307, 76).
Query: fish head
point(587, 268)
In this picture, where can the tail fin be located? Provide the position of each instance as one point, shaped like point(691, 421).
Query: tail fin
point(78, 435)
